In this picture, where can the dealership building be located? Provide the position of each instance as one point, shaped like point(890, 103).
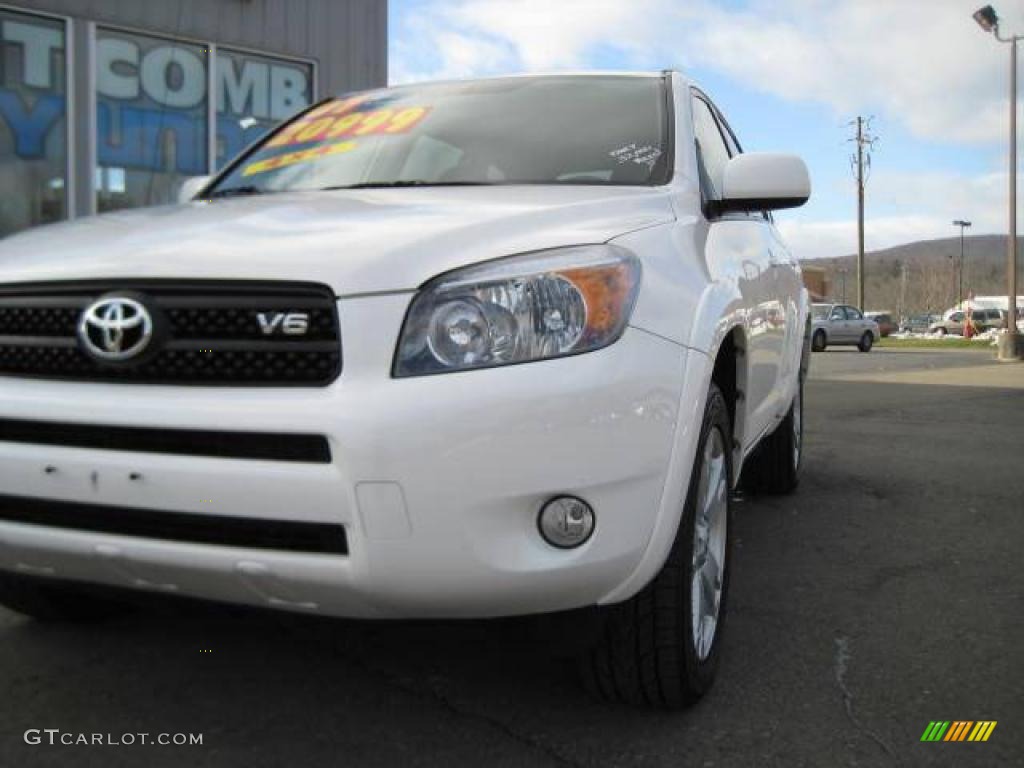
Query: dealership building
point(111, 104)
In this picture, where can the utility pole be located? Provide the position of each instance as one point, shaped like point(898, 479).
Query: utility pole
point(862, 162)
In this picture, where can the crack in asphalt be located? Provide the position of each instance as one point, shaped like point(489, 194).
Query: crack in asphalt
point(843, 656)
point(432, 694)
point(882, 575)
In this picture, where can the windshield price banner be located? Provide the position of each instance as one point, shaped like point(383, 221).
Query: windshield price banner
point(336, 120)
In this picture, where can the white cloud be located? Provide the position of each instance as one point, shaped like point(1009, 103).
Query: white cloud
point(923, 63)
point(539, 34)
point(820, 239)
point(924, 205)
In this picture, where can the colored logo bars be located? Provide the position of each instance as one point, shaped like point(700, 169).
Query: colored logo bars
point(958, 730)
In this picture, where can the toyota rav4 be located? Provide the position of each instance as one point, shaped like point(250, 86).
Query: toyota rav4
point(463, 349)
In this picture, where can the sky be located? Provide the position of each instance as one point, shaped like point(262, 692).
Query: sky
point(789, 75)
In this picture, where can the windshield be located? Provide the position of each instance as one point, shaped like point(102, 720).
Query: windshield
point(530, 130)
point(820, 311)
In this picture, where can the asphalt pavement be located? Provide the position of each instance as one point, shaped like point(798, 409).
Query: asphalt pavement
point(884, 594)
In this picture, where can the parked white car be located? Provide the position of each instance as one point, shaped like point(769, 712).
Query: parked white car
point(467, 349)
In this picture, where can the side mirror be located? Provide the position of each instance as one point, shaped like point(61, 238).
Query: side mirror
point(762, 181)
point(192, 187)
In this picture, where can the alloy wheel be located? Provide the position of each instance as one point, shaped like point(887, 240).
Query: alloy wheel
point(711, 519)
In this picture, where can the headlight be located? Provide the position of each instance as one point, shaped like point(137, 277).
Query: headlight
point(533, 307)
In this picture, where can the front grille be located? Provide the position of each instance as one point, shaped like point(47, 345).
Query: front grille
point(205, 333)
point(270, 446)
point(319, 538)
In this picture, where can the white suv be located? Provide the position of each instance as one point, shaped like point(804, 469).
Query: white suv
point(465, 349)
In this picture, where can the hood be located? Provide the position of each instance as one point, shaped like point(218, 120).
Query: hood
point(355, 241)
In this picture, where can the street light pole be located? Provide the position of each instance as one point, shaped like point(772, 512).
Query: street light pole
point(960, 290)
point(1008, 348)
point(1008, 342)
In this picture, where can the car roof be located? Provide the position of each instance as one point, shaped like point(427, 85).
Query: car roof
point(515, 75)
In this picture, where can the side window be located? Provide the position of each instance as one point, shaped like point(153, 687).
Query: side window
point(712, 152)
point(852, 313)
point(838, 313)
point(730, 138)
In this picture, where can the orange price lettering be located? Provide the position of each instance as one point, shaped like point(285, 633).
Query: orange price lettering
point(373, 121)
point(335, 120)
point(405, 119)
point(344, 124)
point(301, 156)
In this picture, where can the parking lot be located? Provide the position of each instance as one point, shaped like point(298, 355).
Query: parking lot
point(885, 594)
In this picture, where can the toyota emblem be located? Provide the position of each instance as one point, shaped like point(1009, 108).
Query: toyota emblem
point(115, 328)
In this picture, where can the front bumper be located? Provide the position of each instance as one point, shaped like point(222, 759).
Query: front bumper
point(437, 480)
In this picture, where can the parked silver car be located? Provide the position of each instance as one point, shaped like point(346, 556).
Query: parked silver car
point(839, 324)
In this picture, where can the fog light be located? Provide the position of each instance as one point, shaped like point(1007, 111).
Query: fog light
point(566, 522)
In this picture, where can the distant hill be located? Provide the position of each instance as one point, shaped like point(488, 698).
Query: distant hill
point(931, 273)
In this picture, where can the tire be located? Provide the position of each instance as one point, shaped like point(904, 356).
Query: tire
point(774, 467)
point(941, 331)
point(649, 651)
point(866, 341)
point(56, 601)
point(818, 341)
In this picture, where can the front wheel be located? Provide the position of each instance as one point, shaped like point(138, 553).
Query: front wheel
point(866, 341)
point(660, 648)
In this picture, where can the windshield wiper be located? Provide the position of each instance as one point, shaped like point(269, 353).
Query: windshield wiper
point(237, 192)
point(413, 183)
